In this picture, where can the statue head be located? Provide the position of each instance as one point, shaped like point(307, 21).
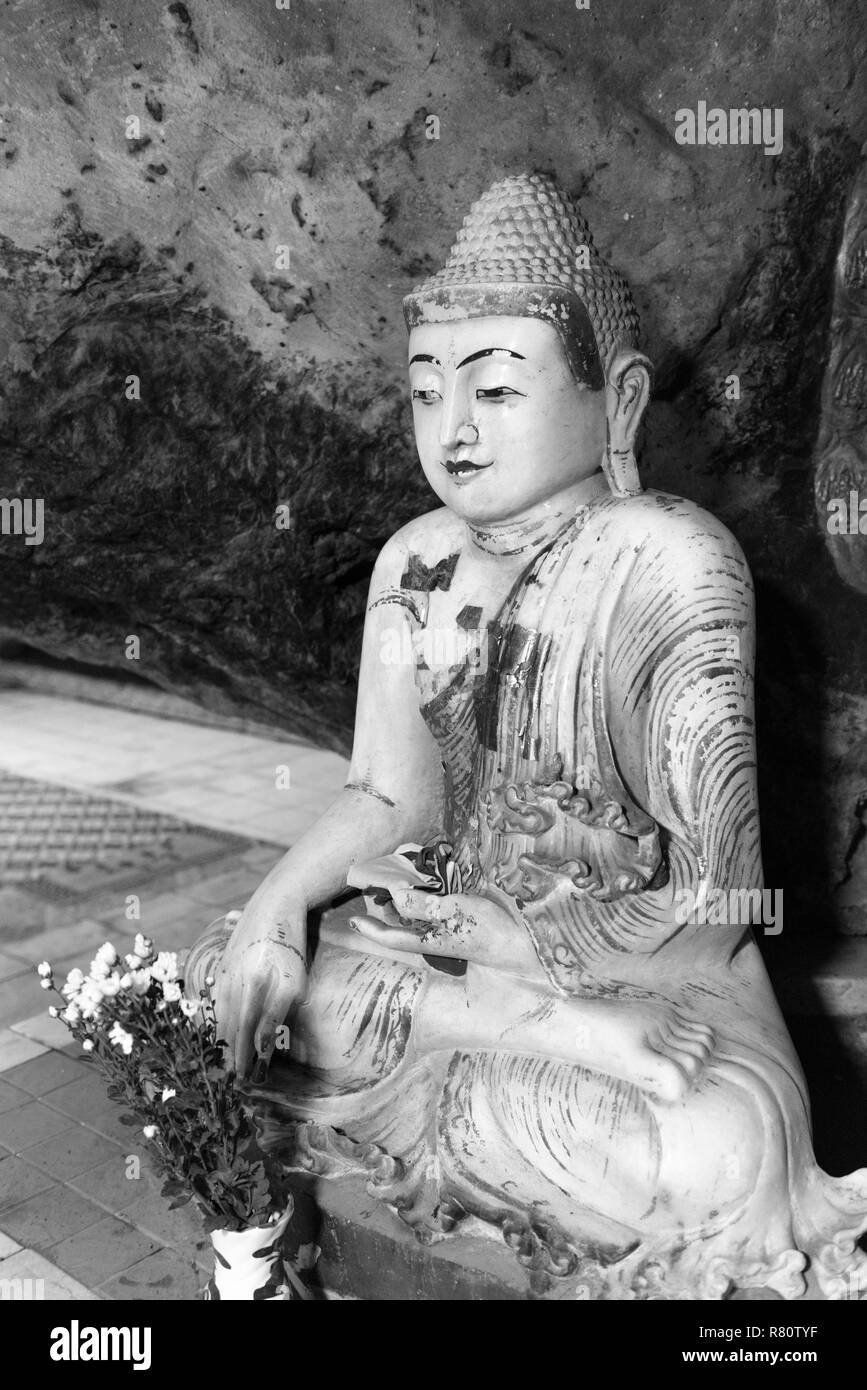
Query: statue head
point(524, 367)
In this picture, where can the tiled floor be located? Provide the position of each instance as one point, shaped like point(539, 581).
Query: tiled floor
point(80, 1210)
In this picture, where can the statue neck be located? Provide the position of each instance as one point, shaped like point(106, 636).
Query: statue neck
point(541, 523)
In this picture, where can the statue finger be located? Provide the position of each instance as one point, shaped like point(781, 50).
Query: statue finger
point(273, 1015)
point(248, 1020)
point(397, 938)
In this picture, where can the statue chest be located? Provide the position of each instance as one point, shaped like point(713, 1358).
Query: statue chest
point(520, 718)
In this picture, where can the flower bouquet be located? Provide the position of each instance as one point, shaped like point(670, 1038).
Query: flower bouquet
point(162, 1060)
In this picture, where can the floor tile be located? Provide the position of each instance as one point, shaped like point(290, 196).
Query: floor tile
point(237, 783)
point(108, 1121)
point(83, 1096)
point(158, 911)
point(31, 1124)
point(8, 1246)
point(19, 1180)
point(49, 1217)
point(22, 998)
point(78, 937)
point(108, 1182)
point(10, 1096)
point(42, 1028)
point(227, 890)
point(15, 1048)
point(276, 829)
point(71, 1152)
point(53, 1284)
point(104, 1249)
point(10, 966)
point(45, 1074)
point(262, 857)
point(163, 1275)
point(182, 1227)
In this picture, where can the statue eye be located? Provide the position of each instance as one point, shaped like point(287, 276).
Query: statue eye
point(495, 393)
point(426, 397)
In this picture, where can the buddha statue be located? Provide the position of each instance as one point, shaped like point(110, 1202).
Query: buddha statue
point(525, 1031)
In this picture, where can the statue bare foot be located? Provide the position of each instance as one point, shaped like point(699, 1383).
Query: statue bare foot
point(647, 1043)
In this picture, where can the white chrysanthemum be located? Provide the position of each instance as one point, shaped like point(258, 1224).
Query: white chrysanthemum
point(110, 986)
point(44, 969)
point(46, 984)
point(89, 998)
point(140, 982)
point(168, 1092)
point(165, 967)
point(134, 960)
point(149, 1131)
point(74, 981)
point(190, 1007)
point(71, 1014)
point(104, 961)
point(172, 991)
point(87, 1045)
point(121, 1038)
point(143, 946)
point(54, 1012)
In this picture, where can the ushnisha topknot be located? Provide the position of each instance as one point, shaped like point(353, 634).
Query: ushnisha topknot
point(521, 250)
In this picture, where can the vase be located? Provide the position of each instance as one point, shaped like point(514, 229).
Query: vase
point(249, 1265)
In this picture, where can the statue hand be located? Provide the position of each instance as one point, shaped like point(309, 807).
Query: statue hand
point(262, 976)
point(462, 925)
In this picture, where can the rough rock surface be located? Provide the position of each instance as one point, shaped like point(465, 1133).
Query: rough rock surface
point(157, 247)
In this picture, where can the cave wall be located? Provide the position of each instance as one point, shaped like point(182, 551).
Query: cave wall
point(227, 203)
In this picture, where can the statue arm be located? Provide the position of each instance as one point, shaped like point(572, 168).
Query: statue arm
point(395, 758)
point(393, 793)
point(679, 695)
point(394, 788)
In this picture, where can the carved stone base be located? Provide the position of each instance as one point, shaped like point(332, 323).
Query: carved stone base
point(349, 1246)
point(353, 1247)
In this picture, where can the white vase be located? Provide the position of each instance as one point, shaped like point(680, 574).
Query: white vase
point(249, 1265)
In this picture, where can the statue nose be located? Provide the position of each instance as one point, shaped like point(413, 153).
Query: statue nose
point(468, 433)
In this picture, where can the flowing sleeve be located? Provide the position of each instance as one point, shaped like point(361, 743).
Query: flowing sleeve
point(668, 708)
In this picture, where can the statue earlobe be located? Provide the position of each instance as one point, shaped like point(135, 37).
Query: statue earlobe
point(627, 392)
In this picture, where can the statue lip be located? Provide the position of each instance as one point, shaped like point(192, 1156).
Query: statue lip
point(457, 466)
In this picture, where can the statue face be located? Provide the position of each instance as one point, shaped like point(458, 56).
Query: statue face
point(501, 425)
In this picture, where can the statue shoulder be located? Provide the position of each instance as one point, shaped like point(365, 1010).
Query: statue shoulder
point(427, 540)
point(681, 536)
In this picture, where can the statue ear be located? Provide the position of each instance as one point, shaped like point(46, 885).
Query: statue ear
point(627, 392)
